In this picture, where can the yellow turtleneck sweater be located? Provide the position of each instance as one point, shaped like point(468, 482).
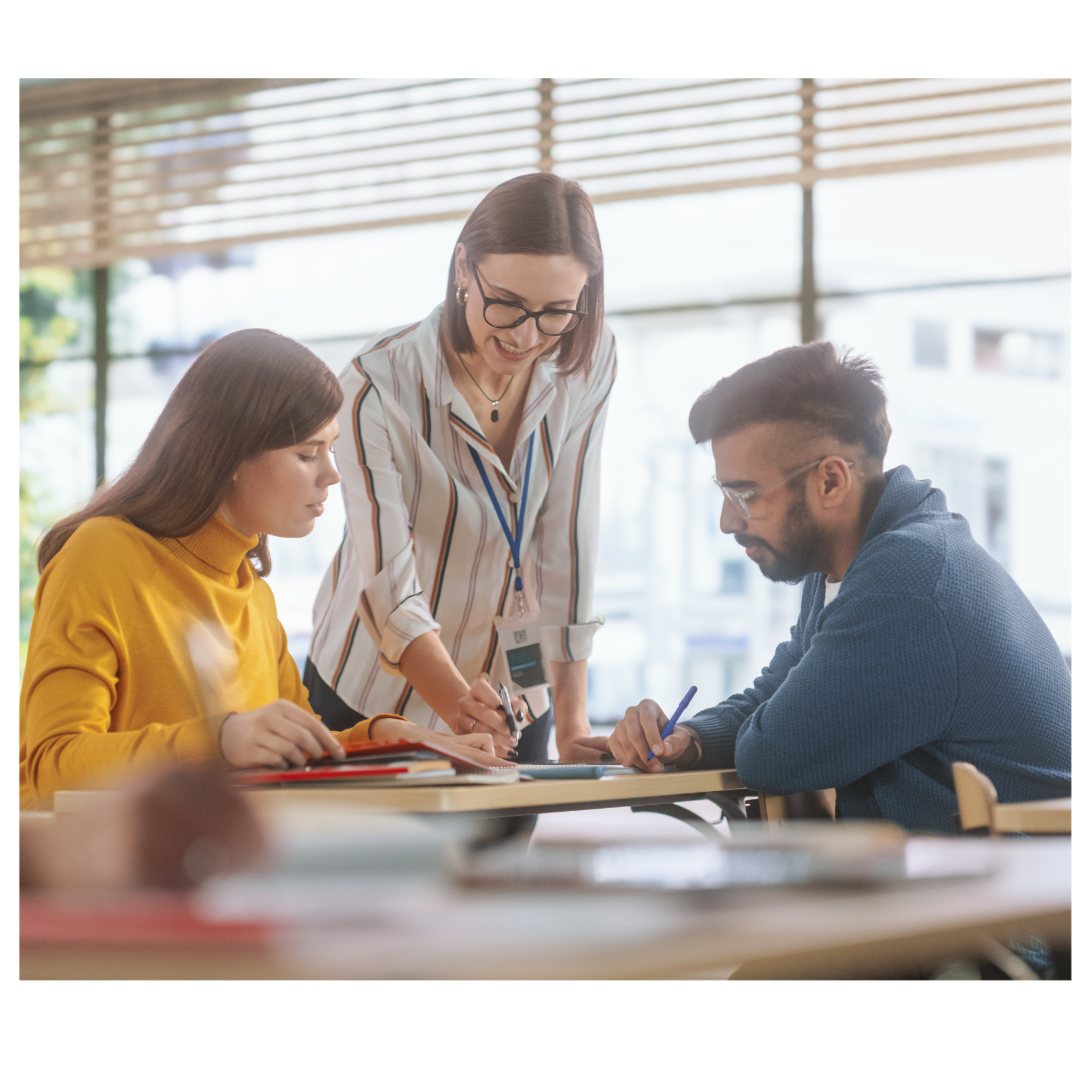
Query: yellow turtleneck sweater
point(139, 648)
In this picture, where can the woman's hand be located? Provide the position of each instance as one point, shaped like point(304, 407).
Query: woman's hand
point(478, 748)
point(639, 731)
point(587, 750)
point(279, 734)
point(477, 715)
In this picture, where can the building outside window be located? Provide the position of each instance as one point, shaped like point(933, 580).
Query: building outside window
point(931, 344)
point(733, 577)
point(1020, 352)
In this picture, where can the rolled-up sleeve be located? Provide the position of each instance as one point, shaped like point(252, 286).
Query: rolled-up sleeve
point(568, 525)
point(392, 604)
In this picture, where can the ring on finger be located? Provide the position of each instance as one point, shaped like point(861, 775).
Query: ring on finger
point(473, 724)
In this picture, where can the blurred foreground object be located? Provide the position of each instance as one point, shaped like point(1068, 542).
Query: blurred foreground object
point(354, 895)
point(803, 853)
point(173, 830)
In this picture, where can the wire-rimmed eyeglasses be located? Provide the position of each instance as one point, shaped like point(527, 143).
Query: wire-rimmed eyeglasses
point(505, 315)
point(740, 500)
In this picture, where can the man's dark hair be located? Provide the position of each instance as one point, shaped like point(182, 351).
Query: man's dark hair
point(808, 384)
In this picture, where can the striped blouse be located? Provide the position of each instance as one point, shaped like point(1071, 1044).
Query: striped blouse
point(423, 548)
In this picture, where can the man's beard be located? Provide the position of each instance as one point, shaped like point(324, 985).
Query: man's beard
point(801, 540)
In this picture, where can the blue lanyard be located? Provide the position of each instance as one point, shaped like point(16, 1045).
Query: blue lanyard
point(513, 541)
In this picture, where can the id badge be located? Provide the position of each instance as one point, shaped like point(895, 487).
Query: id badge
point(522, 651)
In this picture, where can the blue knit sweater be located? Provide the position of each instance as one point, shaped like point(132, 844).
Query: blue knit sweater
point(929, 654)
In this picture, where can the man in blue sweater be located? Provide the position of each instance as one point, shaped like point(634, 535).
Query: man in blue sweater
point(913, 648)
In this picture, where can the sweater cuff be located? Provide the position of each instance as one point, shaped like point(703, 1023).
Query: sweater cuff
point(198, 741)
point(717, 739)
point(361, 733)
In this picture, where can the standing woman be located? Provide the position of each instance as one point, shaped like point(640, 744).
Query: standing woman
point(470, 461)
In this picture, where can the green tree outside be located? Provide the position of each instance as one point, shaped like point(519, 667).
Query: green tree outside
point(47, 299)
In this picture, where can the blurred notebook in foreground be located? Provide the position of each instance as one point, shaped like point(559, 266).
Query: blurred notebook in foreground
point(800, 853)
point(383, 763)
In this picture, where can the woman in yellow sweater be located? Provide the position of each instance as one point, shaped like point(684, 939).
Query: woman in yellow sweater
point(155, 637)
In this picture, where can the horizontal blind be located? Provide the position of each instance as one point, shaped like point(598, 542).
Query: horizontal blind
point(112, 169)
point(632, 139)
point(267, 163)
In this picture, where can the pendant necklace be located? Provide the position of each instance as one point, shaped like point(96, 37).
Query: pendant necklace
point(494, 401)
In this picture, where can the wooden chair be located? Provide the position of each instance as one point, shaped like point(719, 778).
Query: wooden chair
point(979, 808)
point(800, 806)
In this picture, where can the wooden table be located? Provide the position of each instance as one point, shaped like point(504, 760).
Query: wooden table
point(523, 797)
point(437, 932)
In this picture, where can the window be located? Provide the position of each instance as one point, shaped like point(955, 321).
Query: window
point(931, 344)
point(976, 487)
point(1020, 352)
point(997, 510)
point(733, 577)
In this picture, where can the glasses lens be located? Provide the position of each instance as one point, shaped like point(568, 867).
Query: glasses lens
point(734, 500)
point(503, 315)
point(554, 323)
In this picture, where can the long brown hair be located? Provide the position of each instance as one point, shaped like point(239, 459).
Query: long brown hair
point(536, 214)
point(248, 392)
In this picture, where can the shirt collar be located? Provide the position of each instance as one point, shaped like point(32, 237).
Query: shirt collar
point(441, 391)
point(903, 495)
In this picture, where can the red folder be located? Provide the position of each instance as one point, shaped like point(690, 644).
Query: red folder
point(343, 770)
point(138, 917)
point(381, 758)
point(367, 749)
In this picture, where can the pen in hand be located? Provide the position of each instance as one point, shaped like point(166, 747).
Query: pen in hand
point(670, 726)
point(507, 709)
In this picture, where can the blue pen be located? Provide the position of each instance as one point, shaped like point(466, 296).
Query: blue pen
point(675, 717)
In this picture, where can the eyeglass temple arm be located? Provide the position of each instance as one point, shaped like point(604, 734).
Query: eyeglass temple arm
point(742, 497)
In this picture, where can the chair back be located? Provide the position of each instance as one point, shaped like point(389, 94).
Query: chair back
point(977, 797)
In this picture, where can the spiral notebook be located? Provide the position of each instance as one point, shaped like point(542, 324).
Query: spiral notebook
point(557, 771)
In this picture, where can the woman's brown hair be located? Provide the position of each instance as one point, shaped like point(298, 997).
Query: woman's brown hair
point(536, 214)
point(248, 392)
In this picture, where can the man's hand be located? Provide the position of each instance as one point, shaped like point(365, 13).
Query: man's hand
point(279, 734)
point(638, 732)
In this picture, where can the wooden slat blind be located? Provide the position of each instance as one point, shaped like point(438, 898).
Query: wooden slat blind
point(118, 168)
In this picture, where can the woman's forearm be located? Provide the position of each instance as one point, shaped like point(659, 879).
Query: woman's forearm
point(427, 666)
point(430, 671)
point(568, 695)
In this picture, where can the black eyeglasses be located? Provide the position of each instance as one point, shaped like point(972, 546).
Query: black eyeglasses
point(503, 315)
